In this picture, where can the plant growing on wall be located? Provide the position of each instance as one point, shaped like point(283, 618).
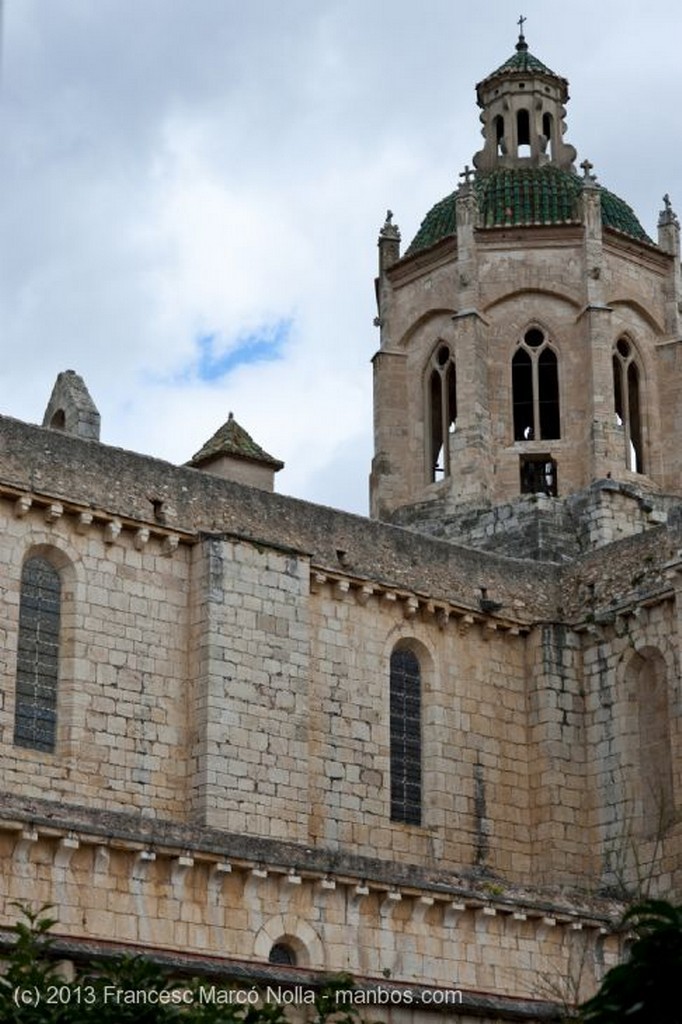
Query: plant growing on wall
point(645, 988)
point(134, 989)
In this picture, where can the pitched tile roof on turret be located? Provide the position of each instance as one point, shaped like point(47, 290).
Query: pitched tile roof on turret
point(523, 61)
point(232, 441)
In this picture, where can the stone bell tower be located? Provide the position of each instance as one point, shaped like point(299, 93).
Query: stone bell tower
point(523, 115)
point(530, 340)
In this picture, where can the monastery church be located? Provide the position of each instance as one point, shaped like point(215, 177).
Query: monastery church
point(439, 749)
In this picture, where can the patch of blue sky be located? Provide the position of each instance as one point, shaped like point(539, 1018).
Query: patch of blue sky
point(214, 360)
point(263, 345)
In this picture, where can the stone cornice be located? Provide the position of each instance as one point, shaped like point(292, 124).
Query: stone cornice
point(86, 517)
point(414, 603)
point(66, 828)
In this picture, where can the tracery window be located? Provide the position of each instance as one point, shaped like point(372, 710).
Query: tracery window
point(627, 403)
point(535, 389)
point(442, 411)
point(35, 716)
point(405, 727)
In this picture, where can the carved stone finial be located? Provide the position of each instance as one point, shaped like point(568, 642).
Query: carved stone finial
point(586, 167)
point(390, 230)
point(667, 214)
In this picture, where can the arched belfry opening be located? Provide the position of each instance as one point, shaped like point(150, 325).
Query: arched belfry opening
point(441, 411)
point(535, 389)
point(548, 134)
point(526, 98)
point(628, 403)
point(58, 420)
point(498, 124)
point(523, 132)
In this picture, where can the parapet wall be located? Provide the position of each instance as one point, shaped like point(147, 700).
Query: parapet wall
point(543, 528)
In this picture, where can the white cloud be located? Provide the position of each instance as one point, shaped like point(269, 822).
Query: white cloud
point(213, 166)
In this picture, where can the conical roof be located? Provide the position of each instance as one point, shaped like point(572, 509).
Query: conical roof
point(521, 62)
point(232, 441)
point(524, 61)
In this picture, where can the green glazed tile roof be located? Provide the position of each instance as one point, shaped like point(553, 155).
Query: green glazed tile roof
point(526, 196)
point(233, 441)
point(523, 61)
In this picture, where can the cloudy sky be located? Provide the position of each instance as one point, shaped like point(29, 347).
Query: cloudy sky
point(191, 190)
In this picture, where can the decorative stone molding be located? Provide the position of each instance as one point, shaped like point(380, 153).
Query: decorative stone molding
point(111, 531)
point(141, 538)
point(414, 605)
point(84, 522)
point(54, 512)
point(113, 527)
point(22, 506)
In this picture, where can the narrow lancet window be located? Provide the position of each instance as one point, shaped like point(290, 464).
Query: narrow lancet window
point(35, 716)
point(535, 389)
point(499, 135)
point(442, 412)
point(523, 132)
point(548, 134)
point(627, 405)
point(405, 730)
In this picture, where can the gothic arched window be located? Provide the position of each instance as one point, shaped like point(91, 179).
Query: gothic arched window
point(406, 741)
point(442, 411)
point(35, 715)
point(535, 389)
point(627, 404)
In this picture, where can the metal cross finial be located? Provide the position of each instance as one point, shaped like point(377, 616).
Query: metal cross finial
point(521, 22)
point(467, 174)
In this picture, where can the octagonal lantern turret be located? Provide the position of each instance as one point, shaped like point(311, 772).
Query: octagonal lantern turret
point(523, 115)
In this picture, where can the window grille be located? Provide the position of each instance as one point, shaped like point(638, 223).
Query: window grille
point(406, 760)
point(35, 720)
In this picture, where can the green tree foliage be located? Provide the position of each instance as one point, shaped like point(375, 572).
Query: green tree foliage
point(645, 989)
point(32, 991)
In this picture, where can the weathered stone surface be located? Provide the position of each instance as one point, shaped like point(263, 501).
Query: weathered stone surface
point(221, 779)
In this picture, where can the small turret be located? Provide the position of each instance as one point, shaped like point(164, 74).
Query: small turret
point(71, 409)
point(233, 454)
point(523, 114)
